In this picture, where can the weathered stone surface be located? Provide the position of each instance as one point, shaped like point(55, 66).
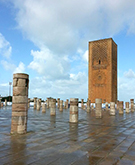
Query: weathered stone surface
point(102, 76)
point(5, 102)
point(112, 108)
point(88, 105)
point(120, 107)
point(98, 110)
point(73, 110)
point(43, 108)
point(61, 106)
point(127, 107)
point(19, 103)
point(53, 107)
point(132, 105)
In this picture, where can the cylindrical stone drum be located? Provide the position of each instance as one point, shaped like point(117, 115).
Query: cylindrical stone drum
point(120, 107)
point(92, 107)
point(132, 105)
point(35, 102)
point(67, 104)
point(5, 102)
point(28, 102)
point(43, 108)
point(117, 104)
point(58, 103)
point(88, 105)
point(106, 106)
point(61, 106)
point(127, 107)
point(47, 103)
point(64, 104)
point(38, 105)
point(73, 110)
point(98, 111)
point(20, 103)
point(53, 107)
point(82, 103)
point(112, 108)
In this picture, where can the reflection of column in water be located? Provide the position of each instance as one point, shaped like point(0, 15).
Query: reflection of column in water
point(53, 121)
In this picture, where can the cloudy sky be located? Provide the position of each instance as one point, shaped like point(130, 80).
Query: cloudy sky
point(48, 39)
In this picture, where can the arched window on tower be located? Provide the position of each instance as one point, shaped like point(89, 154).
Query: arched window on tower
point(99, 62)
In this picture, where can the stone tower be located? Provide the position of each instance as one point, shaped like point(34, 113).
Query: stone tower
point(102, 76)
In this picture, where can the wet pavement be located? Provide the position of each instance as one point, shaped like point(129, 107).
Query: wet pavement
point(54, 141)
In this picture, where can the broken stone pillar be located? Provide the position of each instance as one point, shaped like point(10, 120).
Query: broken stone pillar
point(43, 108)
point(61, 106)
point(38, 105)
point(98, 111)
point(127, 107)
point(132, 105)
point(28, 102)
point(120, 107)
point(73, 110)
point(112, 108)
point(5, 102)
point(0, 102)
point(106, 106)
point(88, 105)
point(58, 103)
point(82, 103)
point(47, 103)
point(67, 104)
point(92, 107)
point(64, 104)
point(117, 104)
point(35, 102)
point(53, 107)
point(40, 100)
point(20, 103)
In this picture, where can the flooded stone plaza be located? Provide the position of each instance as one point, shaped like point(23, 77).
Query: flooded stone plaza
point(54, 140)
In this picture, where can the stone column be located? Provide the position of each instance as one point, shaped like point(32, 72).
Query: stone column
point(38, 105)
point(88, 105)
point(132, 105)
point(20, 103)
point(127, 107)
point(112, 108)
point(28, 102)
point(98, 111)
point(61, 106)
point(73, 110)
point(120, 107)
point(43, 108)
point(117, 104)
point(0, 102)
point(64, 104)
point(5, 102)
point(58, 103)
point(53, 107)
point(35, 102)
point(92, 107)
point(47, 103)
point(67, 104)
point(82, 103)
point(106, 106)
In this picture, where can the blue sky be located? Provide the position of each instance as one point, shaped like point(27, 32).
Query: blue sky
point(49, 41)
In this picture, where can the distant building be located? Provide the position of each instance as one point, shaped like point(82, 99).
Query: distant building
point(102, 75)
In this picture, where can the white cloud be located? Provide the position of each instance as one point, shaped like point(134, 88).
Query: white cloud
point(20, 68)
point(65, 26)
point(5, 47)
point(85, 56)
point(49, 65)
point(76, 86)
point(129, 74)
point(7, 65)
